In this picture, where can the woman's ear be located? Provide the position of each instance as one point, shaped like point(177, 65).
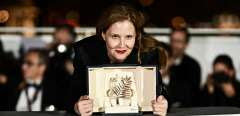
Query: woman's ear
point(103, 36)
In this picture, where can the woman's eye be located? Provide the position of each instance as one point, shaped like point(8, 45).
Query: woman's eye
point(129, 37)
point(114, 36)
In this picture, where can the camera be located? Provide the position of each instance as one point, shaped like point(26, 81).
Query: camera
point(220, 77)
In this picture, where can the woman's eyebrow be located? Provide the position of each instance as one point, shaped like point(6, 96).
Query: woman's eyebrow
point(115, 34)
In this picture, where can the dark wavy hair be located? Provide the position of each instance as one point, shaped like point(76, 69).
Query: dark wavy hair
point(224, 59)
point(121, 12)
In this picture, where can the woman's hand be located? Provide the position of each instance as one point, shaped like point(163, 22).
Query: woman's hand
point(160, 106)
point(228, 89)
point(210, 84)
point(84, 106)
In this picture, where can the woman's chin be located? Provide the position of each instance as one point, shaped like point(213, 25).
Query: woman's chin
point(120, 59)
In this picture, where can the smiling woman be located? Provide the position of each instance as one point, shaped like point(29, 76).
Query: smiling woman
point(120, 39)
point(117, 42)
point(124, 20)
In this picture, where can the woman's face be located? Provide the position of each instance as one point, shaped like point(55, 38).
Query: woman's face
point(220, 67)
point(120, 39)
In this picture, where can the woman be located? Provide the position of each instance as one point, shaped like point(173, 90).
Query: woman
point(117, 42)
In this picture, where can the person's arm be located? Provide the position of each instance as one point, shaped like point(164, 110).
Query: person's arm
point(85, 51)
point(78, 82)
point(160, 104)
point(161, 89)
point(153, 59)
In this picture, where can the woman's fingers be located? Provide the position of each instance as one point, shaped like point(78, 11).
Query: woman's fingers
point(159, 113)
point(88, 110)
point(85, 109)
point(160, 98)
point(85, 103)
point(84, 106)
point(85, 97)
point(87, 114)
point(160, 106)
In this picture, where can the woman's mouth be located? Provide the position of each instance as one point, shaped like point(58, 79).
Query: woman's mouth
point(120, 51)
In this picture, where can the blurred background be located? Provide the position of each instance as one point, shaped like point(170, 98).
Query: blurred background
point(213, 25)
point(160, 13)
point(205, 18)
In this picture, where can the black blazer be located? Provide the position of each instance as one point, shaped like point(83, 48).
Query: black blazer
point(50, 96)
point(92, 51)
point(184, 86)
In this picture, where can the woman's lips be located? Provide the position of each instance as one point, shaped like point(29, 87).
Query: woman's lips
point(120, 51)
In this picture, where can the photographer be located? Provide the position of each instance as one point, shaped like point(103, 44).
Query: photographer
point(222, 87)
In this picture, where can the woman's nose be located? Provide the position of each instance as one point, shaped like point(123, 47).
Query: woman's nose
point(122, 42)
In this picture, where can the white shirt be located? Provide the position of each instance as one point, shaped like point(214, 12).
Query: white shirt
point(22, 104)
point(166, 80)
point(178, 61)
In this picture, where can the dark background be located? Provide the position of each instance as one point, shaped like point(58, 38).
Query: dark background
point(160, 12)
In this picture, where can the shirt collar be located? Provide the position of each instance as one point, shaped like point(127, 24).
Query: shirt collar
point(178, 61)
point(30, 81)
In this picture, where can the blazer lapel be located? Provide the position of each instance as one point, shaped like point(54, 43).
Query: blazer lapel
point(14, 96)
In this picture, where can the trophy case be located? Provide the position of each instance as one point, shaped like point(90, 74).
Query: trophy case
point(122, 89)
